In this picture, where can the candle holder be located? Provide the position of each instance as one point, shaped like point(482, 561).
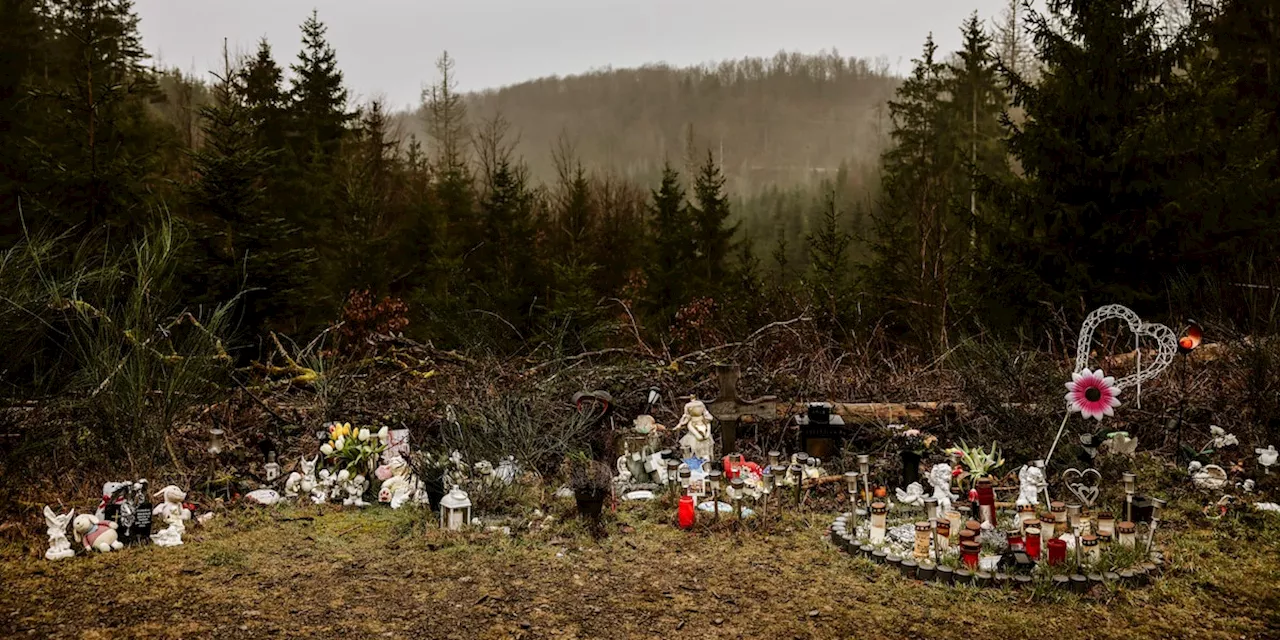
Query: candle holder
point(1059, 511)
point(1106, 523)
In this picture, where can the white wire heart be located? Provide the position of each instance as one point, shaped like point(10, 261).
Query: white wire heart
point(1165, 338)
point(1088, 493)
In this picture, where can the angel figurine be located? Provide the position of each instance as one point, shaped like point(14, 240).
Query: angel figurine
point(912, 497)
point(1032, 481)
point(59, 546)
point(940, 480)
point(697, 442)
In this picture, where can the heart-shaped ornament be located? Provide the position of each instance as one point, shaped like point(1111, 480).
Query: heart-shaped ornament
point(1166, 341)
point(1075, 479)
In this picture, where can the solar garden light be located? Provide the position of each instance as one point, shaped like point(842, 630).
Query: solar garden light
point(1156, 505)
point(864, 468)
point(713, 487)
point(1130, 485)
point(851, 482)
point(797, 470)
point(735, 492)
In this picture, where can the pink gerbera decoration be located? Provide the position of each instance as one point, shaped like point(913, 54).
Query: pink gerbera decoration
point(1092, 394)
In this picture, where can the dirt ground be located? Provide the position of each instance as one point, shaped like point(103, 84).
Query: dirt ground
point(321, 572)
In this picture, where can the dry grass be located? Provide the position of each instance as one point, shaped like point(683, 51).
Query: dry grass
point(379, 573)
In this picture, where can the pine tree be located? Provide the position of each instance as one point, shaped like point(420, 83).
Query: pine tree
point(710, 212)
point(828, 251)
point(91, 164)
point(670, 259)
point(1088, 222)
point(453, 226)
point(241, 246)
point(319, 99)
point(262, 83)
point(977, 103)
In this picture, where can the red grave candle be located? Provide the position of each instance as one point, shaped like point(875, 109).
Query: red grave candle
point(1033, 542)
point(1057, 551)
point(969, 554)
point(686, 512)
point(987, 501)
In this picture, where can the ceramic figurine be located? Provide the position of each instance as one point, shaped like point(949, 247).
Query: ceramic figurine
point(59, 547)
point(1032, 481)
point(354, 487)
point(912, 497)
point(644, 424)
point(171, 536)
point(302, 483)
point(507, 470)
point(940, 480)
point(697, 443)
point(484, 469)
point(1267, 457)
point(1211, 477)
point(96, 535)
point(173, 497)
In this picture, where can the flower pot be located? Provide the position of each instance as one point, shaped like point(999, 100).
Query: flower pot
point(590, 503)
point(910, 468)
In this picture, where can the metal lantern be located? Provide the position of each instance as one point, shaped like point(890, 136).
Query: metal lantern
point(455, 509)
point(1130, 486)
point(215, 441)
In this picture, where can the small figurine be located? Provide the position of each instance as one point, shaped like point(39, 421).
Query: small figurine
point(644, 425)
point(173, 497)
point(697, 443)
point(353, 486)
point(1032, 482)
point(1210, 477)
point(326, 485)
point(484, 469)
point(302, 483)
point(940, 480)
point(507, 470)
point(1267, 457)
point(171, 536)
point(912, 497)
point(95, 534)
point(59, 547)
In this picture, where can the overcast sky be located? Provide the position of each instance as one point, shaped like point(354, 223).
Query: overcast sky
point(387, 48)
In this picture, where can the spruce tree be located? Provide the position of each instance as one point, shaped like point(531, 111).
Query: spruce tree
point(827, 248)
point(319, 99)
point(710, 212)
point(672, 246)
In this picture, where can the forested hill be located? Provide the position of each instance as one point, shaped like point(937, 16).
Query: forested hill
point(782, 120)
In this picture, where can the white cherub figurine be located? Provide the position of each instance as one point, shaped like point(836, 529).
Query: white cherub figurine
point(697, 442)
point(302, 483)
point(97, 535)
point(1032, 481)
point(354, 487)
point(325, 482)
point(59, 547)
point(940, 480)
point(912, 497)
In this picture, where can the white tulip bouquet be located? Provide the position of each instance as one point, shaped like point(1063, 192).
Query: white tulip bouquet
point(355, 450)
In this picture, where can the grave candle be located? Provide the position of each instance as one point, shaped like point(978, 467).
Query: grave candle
point(1057, 551)
point(1059, 511)
point(968, 535)
point(1025, 513)
point(1048, 526)
point(1104, 541)
point(1089, 543)
point(987, 501)
point(1127, 532)
point(1106, 523)
point(686, 513)
point(1032, 542)
point(942, 537)
point(953, 517)
point(1013, 538)
point(1034, 522)
point(878, 514)
point(969, 552)
point(923, 531)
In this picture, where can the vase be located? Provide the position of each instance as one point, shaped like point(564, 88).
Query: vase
point(910, 468)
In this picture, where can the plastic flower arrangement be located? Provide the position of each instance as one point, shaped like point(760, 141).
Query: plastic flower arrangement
point(1092, 394)
point(354, 449)
point(913, 440)
point(977, 460)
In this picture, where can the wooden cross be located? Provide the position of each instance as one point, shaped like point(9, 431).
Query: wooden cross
point(728, 409)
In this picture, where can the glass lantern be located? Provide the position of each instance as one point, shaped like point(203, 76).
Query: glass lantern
point(216, 442)
point(455, 509)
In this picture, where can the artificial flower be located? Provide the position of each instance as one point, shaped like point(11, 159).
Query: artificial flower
point(1221, 438)
point(1267, 457)
point(1092, 394)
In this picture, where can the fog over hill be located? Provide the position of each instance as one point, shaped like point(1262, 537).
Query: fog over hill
point(785, 119)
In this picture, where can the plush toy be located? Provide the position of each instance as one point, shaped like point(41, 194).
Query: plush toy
point(98, 535)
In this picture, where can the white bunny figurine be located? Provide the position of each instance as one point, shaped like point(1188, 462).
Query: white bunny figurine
point(98, 535)
point(59, 547)
point(301, 483)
